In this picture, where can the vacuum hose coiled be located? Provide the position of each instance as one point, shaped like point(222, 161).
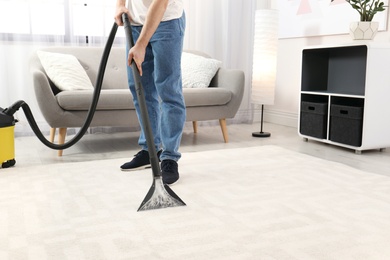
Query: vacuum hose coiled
point(96, 94)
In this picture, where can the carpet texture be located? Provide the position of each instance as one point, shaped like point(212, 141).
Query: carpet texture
point(249, 203)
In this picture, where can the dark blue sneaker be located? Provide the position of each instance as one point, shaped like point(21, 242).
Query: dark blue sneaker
point(140, 161)
point(169, 171)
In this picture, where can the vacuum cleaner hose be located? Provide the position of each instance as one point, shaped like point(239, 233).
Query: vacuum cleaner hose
point(96, 94)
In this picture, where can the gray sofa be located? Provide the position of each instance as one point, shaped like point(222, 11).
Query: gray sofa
point(64, 109)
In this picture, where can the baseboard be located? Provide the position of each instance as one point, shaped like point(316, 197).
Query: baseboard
point(277, 117)
point(242, 117)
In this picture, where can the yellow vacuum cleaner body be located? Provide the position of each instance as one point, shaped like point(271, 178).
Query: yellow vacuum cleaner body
point(7, 151)
point(7, 143)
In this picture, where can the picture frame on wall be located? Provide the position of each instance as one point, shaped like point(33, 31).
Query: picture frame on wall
point(304, 18)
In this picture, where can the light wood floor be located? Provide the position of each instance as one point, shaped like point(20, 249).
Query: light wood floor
point(99, 146)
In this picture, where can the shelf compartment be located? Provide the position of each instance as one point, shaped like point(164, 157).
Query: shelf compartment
point(335, 70)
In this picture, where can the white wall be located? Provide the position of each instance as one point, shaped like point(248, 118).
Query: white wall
point(286, 107)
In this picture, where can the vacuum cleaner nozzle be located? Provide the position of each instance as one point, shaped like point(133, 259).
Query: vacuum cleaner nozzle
point(14, 107)
point(6, 119)
point(7, 114)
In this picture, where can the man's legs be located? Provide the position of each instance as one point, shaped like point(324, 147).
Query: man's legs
point(167, 46)
point(162, 72)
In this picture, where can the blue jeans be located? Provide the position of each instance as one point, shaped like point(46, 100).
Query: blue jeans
point(162, 84)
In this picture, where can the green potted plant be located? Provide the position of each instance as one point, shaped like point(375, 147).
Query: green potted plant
point(365, 29)
point(366, 8)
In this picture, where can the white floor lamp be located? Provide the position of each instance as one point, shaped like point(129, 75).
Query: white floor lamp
point(264, 61)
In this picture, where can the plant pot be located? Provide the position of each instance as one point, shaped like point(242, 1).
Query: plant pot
point(363, 30)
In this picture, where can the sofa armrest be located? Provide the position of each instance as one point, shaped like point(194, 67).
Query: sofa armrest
point(233, 80)
point(45, 97)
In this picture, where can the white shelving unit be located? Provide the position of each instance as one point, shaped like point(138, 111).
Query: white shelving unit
point(345, 95)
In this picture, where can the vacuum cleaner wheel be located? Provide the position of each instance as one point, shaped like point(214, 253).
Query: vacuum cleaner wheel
point(8, 163)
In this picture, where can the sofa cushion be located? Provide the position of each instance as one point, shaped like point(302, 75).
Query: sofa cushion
point(110, 99)
point(118, 99)
point(198, 71)
point(195, 97)
point(65, 71)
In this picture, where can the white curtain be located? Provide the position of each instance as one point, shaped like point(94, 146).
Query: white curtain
point(224, 30)
point(221, 28)
point(28, 25)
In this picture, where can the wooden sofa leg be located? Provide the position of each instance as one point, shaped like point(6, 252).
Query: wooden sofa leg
point(61, 138)
point(195, 126)
point(52, 134)
point(222, 123)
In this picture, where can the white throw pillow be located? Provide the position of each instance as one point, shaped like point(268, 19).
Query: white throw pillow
point(198, 71)
point(65, 71)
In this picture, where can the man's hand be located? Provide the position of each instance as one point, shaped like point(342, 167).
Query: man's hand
point(118, 14)
point(137, 53)
point(153, 18)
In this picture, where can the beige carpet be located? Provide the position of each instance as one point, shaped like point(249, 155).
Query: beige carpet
point(249, 203)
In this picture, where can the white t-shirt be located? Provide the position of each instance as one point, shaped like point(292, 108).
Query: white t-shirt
point(139, 8)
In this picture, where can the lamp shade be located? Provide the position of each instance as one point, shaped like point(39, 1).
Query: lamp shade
point(264, 56)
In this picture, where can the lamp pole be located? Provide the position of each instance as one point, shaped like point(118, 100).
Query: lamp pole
point(261, 133)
